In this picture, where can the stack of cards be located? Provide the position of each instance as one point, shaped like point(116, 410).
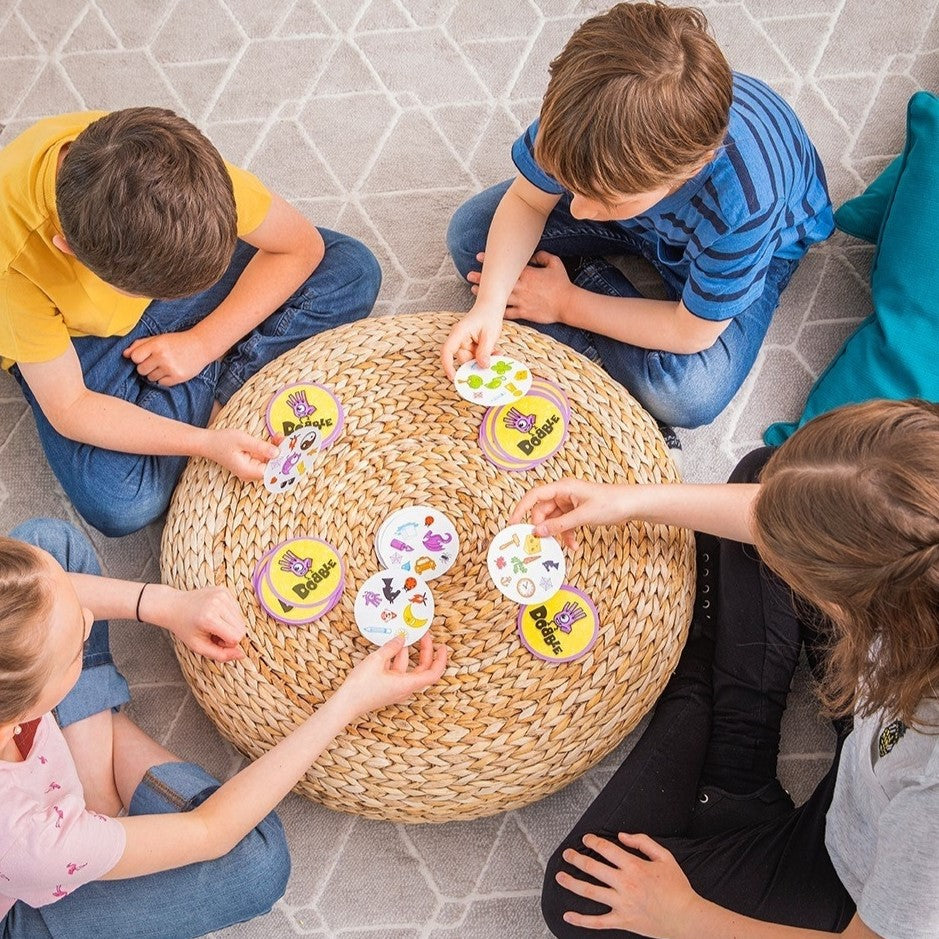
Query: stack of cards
point(556, 622)
point(295, 457)
point(305, 404)
point(520, 435)
point(504, 380)
point(300, 580)
point(414, 544)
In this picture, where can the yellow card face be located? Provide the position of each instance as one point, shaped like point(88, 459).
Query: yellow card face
point(531, 428)
point(560, 629)
point(305, 404)
point(305, 572)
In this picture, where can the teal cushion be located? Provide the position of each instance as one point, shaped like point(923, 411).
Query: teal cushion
point(893, 354)
point(863, 215)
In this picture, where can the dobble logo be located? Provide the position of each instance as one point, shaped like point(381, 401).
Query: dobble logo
point(561, 629)
point(305, 405)
point(304, 572)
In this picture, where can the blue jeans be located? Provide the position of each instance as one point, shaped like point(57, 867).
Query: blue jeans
point(184, 902)
point(681, 390)
point(120, 493)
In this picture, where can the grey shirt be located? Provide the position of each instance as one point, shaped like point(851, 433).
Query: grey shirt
point(882, 830)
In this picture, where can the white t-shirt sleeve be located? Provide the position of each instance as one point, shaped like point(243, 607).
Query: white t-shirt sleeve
point(900, 899)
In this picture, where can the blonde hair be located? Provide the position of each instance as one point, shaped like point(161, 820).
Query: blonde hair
point(848, 516)
point(639, 97)
point(25, 602)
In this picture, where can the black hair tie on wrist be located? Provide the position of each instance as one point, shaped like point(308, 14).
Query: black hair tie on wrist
point(139, 598)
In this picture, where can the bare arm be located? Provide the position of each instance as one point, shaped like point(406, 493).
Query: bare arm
point(513, 236)
point(162, 842)
point(648, 324)
point(289, 249)
point(559, 508)
point(111, 423)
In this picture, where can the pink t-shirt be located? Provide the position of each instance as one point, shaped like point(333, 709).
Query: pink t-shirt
point(50, 844)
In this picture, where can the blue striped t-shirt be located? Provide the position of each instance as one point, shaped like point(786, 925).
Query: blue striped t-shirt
point(762, 196)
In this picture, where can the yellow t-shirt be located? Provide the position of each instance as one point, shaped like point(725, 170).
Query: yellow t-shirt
point(47, 296)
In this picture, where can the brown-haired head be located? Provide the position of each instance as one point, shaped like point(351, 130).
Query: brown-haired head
point(25, 604)
point(638, 98)
point(145, 201)
point(848, 516)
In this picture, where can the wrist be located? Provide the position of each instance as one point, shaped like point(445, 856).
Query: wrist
point(154, 605)
point(341, 706)
point(201, 339)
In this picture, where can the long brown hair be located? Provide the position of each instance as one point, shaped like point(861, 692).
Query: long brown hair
point(640, 96)
point(25, 601)
point(848, 516)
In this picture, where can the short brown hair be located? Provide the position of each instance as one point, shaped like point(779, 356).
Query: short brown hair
point(639, 97)
point(145, 201)
point(25, 602)
point(848, 516)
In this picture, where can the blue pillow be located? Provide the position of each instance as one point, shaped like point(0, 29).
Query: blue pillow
point(893, 353)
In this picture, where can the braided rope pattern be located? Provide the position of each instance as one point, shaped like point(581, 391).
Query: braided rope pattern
point(503, 728)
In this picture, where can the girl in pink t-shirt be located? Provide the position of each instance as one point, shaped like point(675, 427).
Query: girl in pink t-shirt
point(103, 831)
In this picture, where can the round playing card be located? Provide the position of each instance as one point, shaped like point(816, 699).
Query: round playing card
point(305, 572)
point(394, 602)
point(284, 612)
point(526, 568)
point(296, 455)
point(305, 404)
point(529, 431)
point(560, 629)
point(503, 381)
point(418, 539)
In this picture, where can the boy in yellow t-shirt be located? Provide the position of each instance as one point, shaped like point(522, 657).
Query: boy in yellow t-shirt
point(143, 280)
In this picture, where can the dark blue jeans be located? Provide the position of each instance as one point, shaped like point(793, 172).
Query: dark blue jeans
point(184, 902)
point(681, 390)
point(120, 493)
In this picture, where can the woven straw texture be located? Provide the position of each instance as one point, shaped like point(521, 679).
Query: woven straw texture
point(503, 728)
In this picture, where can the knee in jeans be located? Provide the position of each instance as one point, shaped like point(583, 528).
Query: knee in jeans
point(59, 538)
point(368, 276)
point(690, 407)
point(118, 516)
point(266, 864)
point(463, 242)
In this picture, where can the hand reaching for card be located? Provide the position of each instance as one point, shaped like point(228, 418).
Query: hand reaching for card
point(474, 336)
point(559, 508)
point(384, 676)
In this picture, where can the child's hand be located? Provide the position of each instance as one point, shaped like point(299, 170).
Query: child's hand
point(383, 677)
point(558, 508)
point(242, 454)
point(651, 897)
point(170, 358)
point(474, 336)
point(541, 293)
point(208, 620)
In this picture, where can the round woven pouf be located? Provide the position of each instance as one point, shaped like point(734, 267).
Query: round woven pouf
point(502, 728)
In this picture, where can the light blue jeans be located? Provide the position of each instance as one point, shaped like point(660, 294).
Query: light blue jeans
point(188, 901)
point(680, 390)
point(120, 493)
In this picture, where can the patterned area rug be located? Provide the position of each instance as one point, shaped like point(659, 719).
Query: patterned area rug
point(378, 117)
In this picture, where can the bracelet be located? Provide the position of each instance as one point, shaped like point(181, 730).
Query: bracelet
point(139, 598)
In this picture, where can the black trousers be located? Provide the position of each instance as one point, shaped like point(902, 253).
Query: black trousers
point(719, 719)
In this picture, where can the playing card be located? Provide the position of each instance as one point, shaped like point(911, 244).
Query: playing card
point(306, 404)
point(305, 572)
point(503, 381)
point(394, 602)
point(525, 567)
point(296, 455)
point(418, 539)
point(285, 612)
point(560, 629)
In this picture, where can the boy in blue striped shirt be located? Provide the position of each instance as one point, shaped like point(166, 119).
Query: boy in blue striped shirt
point(647, 144)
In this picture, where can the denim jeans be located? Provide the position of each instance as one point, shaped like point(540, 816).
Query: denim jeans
point(184, 902)
point(681, 390)
point(120, 493)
